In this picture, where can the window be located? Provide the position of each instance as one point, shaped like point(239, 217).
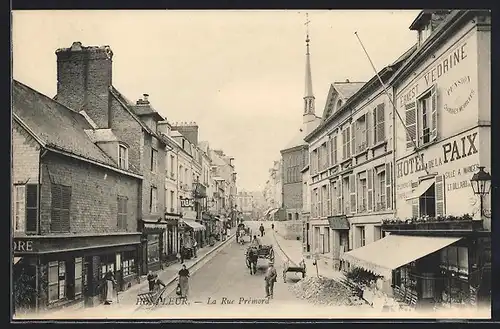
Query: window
point(107, 264)
point(361, 236)
point(362, 192)
point(78, 276)
point(326, 240)
point(427, 203)
point(379, 123)
point(333, 150)
point(122, 212)
point(154, 160)
point(422, 120)
point(289, 216)
point(128, 263)
point(186, 176)
point(19, 208)
point(317, 237)
point(380, 203)
point(181, 175)
point(345, 195)
point(57, 280)
point(153, 200)
point(172, 204)
point(172, 166)
point(361, 134)
point(123, 156)
point(60, 210)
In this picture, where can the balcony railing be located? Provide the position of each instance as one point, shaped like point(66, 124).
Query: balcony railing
point(441, 223)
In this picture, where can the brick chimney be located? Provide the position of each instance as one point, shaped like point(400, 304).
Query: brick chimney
point(84, 77)
point(188, 130)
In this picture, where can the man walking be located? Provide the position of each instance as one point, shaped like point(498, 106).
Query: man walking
point(270, 279)
point(261, 229)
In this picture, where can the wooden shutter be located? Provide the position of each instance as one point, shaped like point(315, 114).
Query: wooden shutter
point(32, 208)
point(328, 201)
point(369, 187)
point(411, 124)
point(344, 144)
point(354, 131)
point(352, 192)
point(381, 122)
point(369, 128)
point(415, 211)
point(328, 152)
point(339, 196)
point(65, 208)
point(434, 114)
point(55, 215)
point(335, 148)
point(333, 199)
point(388, 184)
point(439, 188)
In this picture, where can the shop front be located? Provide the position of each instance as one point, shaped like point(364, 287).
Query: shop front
point(170, 238)
point(60, 271)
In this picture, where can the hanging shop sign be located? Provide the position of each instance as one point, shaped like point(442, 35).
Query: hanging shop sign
point(187, 203)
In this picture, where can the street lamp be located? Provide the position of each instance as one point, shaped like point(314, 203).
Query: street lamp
point(481, 185)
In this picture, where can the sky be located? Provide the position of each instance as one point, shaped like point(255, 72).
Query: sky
point(239, 75)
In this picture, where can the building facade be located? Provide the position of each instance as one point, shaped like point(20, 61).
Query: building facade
point(75, 208)
point(245, 205)
point(443, 94)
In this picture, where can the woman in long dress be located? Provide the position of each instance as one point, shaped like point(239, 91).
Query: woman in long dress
point(110, 284)
point(184, 281)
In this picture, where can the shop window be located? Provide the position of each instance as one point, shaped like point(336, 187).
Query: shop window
point(428, 286)
point(128, 263)
point(326, 240)
point(78, 276)
point(60, 211)
point(455, 259)
point(122, 212)
point(153, 248)
point(57, 280)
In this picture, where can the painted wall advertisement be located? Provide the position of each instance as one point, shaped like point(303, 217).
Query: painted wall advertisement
point(457, 159)
point(454, 75)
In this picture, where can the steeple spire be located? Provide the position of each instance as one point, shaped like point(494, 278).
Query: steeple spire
point(308, 95)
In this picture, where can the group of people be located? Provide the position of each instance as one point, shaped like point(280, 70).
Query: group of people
point(155, 284)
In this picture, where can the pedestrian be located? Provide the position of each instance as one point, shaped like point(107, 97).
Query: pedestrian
point(151, 280)
point(272, 227)
point(184, 281)
point(157, 286)
point(195, 248)
point(261, 229)
point(110, 281)
point(270, 279)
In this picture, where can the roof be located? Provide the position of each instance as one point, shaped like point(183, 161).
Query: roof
point(347, 89)
point(298, 138)
point(56, 125)
point(147, 109)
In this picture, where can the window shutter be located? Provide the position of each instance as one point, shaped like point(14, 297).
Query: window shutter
point(440, 206)
point(31, 208)
point(369, 128)
point(328, 152)
point(65, 208)
point(329, 203)
point(388, 184)
point(335, 159)
point(55, 216)
point(339, 196)
point(369, 183)
point(411, 124)
point(434, 117)
point(415, 211)
point(344, 144)
point(381, 122)
point(354, 131)
point(352, 192)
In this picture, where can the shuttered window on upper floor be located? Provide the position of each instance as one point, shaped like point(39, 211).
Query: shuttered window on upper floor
point(60, 208)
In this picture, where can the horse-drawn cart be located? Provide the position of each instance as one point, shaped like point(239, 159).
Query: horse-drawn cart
point(241, 232)
point(263, 252)
point(301, 268)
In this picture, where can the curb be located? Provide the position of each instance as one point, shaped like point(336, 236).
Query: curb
point(169, 284)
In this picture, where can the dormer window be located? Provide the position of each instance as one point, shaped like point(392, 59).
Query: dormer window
point(339, 104)
point(123, 156)
point(425, 32)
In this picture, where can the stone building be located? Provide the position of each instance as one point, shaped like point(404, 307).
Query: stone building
point(76, 205)
point(84, 83)
point(245, 204)
point(438, 251)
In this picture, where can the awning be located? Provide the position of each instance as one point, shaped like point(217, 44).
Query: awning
point(194, 225)
point(17, 259)
point(267, 211)
point(421, 189)
point(338, 222)
point(273, 211)
point(393, 251)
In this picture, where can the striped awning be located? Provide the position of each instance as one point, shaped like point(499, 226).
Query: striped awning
point(194, 225)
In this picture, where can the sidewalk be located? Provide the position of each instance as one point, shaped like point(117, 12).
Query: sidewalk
point(293, 250)
point(168, 275)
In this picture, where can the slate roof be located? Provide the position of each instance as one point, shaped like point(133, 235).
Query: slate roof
point(57, 126)
point(347, 89)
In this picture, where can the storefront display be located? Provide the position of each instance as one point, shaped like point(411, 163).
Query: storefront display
point(153, 248)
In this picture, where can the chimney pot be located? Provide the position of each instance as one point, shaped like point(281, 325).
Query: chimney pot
point(145, 97)
point(347, 80)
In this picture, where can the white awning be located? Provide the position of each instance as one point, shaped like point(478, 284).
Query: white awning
point(194, 225)
point(393, 251)
point(274, 211)
point(267, 211)
point(17, 259)
point(421, 189)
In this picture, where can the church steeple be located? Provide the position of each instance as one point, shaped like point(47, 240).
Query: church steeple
point(308, 95)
